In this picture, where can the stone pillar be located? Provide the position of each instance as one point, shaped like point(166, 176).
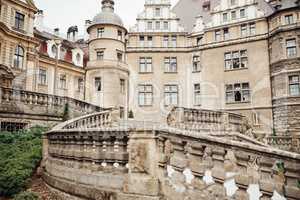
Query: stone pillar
point(142, 181)
point(45, 150)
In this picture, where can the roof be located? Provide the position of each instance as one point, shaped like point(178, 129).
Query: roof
point(285, 4)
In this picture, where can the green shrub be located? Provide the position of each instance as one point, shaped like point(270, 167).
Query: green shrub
point(20, 153)
point(26, 196)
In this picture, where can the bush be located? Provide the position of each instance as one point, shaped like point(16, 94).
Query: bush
point(26, 196)
point(20, 153)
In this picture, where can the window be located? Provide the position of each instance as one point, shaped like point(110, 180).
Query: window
point(237, 93)
point(78, 58)
point(19, 21)
point(291, 48)
point(142, 41)
point(226, 34)
point(150, 41)
point(100, 55)
point(294, 85)
point(217, 35)
point(19, 57)
point(120, 56)
point(196, 64)
point(170, 64)
point(252, 28)
point(122, 113)
point(199, 41)
point(166, 25)
point(289, 19)
point(157, 25)
point(242, 13)
point(244, 30)
point(233, 2)
point(145, 95)
point(63, 81)
point(145, 65)
point(157, 12)
point(42, 76)
point(98, 84)
point(233, 15)
point(174, 41)
point(149, 26)
point(122, 86)
point(100, 32)
point(225, 17)
point(80, 85)
point(171, 95)
point(54, 50)
point(236, 60)
point(120, 35)
point(166, 41)
point(197, 95)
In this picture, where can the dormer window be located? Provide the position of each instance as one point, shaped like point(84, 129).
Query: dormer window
point(100, 32)
point(54, 50)
point(19, 21)
point(289, 19)
point(78, 58)
point(157, 12)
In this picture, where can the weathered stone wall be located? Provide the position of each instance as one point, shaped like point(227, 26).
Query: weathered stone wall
point(127, 163)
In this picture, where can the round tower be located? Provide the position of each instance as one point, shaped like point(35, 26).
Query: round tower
point(107, 72)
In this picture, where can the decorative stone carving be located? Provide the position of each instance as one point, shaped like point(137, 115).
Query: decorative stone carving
point(138, 159)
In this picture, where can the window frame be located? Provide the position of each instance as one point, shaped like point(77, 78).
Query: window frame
point(242, 58)
point(291, 47)
point(43, 76)
point(19, 57)
point(197, 94)
point(147, 62)
point(146, 94)
point(234, 91)
point(98, 84)
point(169, 94)
point(100, 55)
point(288, 19)
point(63, 81)
point(196, 64)
point(294, 83)
point(19, 21)
point(100, 32)
point(170, 64)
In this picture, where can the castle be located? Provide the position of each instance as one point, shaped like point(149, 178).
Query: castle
point(239, 56)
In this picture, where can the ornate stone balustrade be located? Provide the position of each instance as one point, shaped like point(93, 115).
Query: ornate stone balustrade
point(152, 162)
point(196, 120)
point(288, 143)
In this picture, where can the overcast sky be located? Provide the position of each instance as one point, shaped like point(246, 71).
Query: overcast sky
point(65, 13)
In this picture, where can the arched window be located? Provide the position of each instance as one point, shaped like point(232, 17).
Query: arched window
point(19, 57)
point(54, 50)
point(78, 58)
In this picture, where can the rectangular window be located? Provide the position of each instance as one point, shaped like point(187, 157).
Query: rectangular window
point(170, 65)
point(225, 17)
point(242, 13)
point(166, 25)
point(166, 41)
point(63, 81)
point(174, 41)
point(291, 48)
point(142, 41)
point(122, 86)
point(19, 21)
point(80, 85)
point(150, 41)
point(120, 56)
point(157, 12)
point(199, 41)
point(217, 35)
point(42, 76)
point(120, 35)
point(196, 64)
point(157, 25)
point(145, 65)
point(289, 19)
point(171, 95)
point(294, 85)
point(100, 55)
point(238, 93)
point(236, 60)
point(252, 29)
point(100, 32)
point(226, 34)
point(98, 84)
point(233, 15)
point(244, 30)
point(145, 95)
point(197, 95)
point(149, 25)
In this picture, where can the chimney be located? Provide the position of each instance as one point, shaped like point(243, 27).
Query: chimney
point(39, 19)
point(72, 33)
point(87, 24)
point(56, 31)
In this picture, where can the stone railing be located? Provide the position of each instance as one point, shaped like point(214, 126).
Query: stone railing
point(36, 105)
point(95, 120)
point(284, 142)
point(198, 119)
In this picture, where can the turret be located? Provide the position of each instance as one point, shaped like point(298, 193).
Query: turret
point(107, 71)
